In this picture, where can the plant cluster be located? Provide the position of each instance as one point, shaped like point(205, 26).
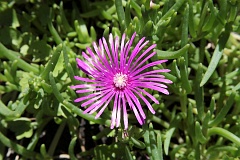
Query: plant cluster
point(40, 41)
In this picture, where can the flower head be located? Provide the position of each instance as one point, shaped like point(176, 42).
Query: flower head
point(120, 74)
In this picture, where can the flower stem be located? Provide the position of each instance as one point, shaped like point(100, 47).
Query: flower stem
point(160, 121)
point(12, 57)
point(88, 117)
point(223, 132)
point(52, 63)
point(18, 148)
point(56, 138)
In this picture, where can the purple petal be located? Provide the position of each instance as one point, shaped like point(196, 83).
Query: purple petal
point(136, 101)
point(145, 100)
point(86, 97)
point(97, 61)
point(92, 55)
point(102, 89)
point(83, 66)
point(96, 65)
point(149, 95)
point(150, 73)
point(154, 76)
point(143, 61)
point(84, 79)
point(91, 100)
point(119, 111)
point(123, 61)
point(122, 53)
point(88, 85)
point(129, 45)
point(95, 98)
point(80, 86)
point(98, 103)
point(84, 91)
point(147, 66)
point(165, 91)
point(156, 80)
point(111, 42)
point(115, 52)
point(125, 115)
point(142, 55)
point(136, 50)
point(102, 56)
point(107, 50)
point(104, 107)
point(106, 87)
point(102, 101)
point(113, 121)
point(140, 121)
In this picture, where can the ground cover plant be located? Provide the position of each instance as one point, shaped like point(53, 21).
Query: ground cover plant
point(187, 108)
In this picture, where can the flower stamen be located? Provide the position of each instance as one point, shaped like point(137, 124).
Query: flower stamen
point(120, 80)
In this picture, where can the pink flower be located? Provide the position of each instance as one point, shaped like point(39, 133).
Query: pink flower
point(119, 74)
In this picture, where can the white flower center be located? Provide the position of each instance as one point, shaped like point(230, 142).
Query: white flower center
point(120, 80)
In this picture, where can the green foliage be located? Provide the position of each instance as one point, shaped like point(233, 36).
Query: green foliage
point(39, 41)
